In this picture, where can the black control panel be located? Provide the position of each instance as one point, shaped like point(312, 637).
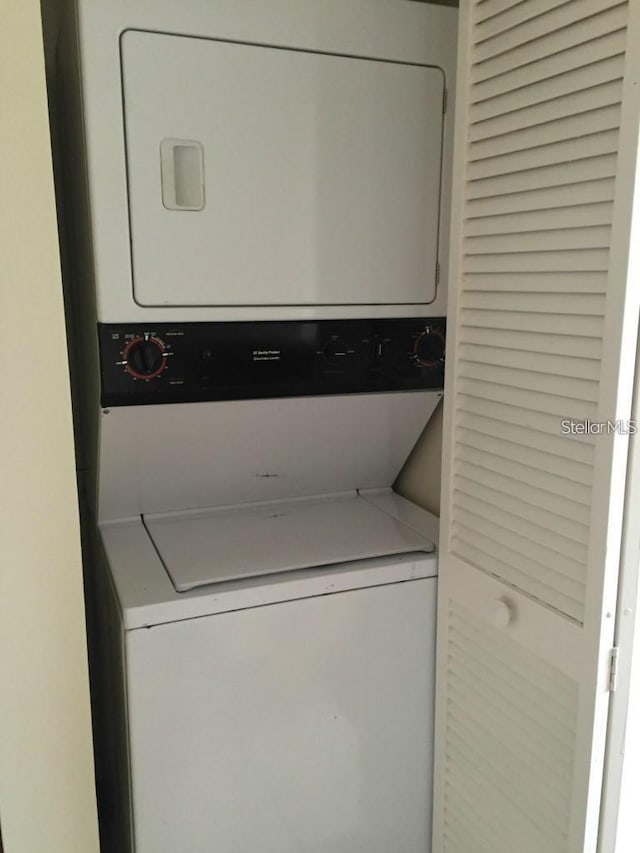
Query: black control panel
point(191, 362)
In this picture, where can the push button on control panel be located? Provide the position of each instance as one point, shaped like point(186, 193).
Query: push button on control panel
point(337, 350)
point(341, 351)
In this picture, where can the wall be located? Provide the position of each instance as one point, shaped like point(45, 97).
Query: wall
point(419, 480)
point(628, 827)
point(621, 821)
point(46, 762)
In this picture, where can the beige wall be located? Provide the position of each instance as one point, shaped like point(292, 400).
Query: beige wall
point(419, 480)
point(47, 798)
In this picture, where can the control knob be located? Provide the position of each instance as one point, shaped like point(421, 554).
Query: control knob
point(144, 357)
point(428, 347)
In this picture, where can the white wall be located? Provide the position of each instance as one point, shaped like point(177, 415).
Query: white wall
point(419, 480)
point(47, 792)
point(621, 819)
point(628, 829)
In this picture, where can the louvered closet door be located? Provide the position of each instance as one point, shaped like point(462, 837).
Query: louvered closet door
point(542, 332)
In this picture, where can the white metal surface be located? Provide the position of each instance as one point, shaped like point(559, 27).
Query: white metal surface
point(320, 183)
point(404, 510)
point(385, 29)
point(543, 327)
point(290, 712)
point(147, 596)
point(190, 456)
point(302, 726)
point(204, 547)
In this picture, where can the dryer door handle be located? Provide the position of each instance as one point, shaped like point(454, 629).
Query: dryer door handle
point(182, 174)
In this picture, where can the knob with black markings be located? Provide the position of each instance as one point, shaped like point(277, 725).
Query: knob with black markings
point(144, 357)
point(428, 348)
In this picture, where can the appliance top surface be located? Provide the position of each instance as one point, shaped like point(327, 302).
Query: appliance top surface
point(203, 548)
point(321, 558)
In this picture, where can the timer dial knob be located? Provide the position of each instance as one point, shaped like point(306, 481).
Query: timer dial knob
point(144, 357)
point(428, 348)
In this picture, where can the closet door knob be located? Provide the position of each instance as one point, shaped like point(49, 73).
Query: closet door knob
point(500, 613)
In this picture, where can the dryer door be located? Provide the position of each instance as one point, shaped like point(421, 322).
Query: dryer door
point(263, 176)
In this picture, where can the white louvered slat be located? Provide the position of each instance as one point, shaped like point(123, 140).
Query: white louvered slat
point(538, 212)
point(557, 696)
point(571, 82)
point(532, 496)
point(548, 132)
point(577, 472)
point(475, 760)
point(509, 414)
point(467, 687)
point(581, 216)
point(583, 260)
point(589, 192)
point(521, 359)
point(525, 509)
point(490, 557)
point(574, 127)
point(460, 828)
point(515, 748)
point(581, 56)
point(542, 19)
point(565, 151)
point(490, 63)
point(489, 8)
point(482, 554)
point(459, 832)
point(527, 436)
point(512, 548)
point(461, 824)
point(481, 655)
point(526, 21)
point(525, 529)
point(571, 389)
point(528, 400)
point(501, 760)
point(544, 481)
point(556, 175)
point(550, 324)
point(542, 341)
point(576, 103)
point(536, 303)
point(537, 241)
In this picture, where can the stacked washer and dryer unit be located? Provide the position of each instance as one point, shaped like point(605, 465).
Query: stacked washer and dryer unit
point(265, 204)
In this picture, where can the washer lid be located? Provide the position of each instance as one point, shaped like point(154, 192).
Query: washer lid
point(201, 548)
